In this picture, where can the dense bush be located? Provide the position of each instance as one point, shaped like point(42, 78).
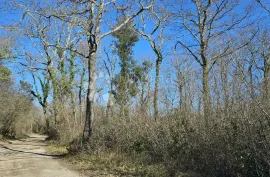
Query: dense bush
point(238, 148)
point(16, 118)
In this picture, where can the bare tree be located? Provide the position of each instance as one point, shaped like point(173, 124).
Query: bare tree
point(224, 69)
point(156, 38)
point(180, 79)
point(51, 58)
point(110, 67)
point(260, 57)
point(145, 83)
point(205, 23)
point(45, 87)
point(264, 53)
point(90, 16)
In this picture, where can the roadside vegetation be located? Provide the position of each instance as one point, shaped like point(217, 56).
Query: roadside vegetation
point(17, 116)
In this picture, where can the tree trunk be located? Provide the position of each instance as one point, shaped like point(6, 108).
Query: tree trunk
point(180, 88)
point(265, 83)
point(74, 111)
point(80, 104)
point(80, 94)
point(224, 78)
point(252, 90)
point(90, 97)
point(142, 106)
point(55, 94)
point(109, 106)
point(206, 96)
point(266, 79)
point(55, 108)
point(158, 63)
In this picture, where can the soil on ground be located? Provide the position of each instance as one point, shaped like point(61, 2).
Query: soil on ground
point(29, 158)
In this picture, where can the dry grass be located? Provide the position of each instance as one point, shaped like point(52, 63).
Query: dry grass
point(112, 164)
point(55, 149)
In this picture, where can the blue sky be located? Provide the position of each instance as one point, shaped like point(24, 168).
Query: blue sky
point(142, 50)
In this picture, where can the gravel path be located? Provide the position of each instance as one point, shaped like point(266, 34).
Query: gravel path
point(28, 158)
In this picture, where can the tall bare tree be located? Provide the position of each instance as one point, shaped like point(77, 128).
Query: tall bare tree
point(260, 56)
point(90, 17)
point(157, 19)
point(50, 61)
point(206, 23)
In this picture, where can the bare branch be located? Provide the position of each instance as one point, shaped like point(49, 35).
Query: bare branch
point(126, 21)
point(190, 51)
point(263, 6)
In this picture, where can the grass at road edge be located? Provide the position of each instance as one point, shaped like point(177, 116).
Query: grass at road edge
point(55, 149)
point(111, 164)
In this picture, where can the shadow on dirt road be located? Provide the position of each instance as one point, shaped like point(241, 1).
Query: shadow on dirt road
point(28, 158)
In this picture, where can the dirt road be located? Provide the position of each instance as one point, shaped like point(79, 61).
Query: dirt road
point(28, 158)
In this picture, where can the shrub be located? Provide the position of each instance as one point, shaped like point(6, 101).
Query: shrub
point(229, 149)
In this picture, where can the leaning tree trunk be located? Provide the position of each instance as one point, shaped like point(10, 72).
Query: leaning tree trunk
point(90, 97)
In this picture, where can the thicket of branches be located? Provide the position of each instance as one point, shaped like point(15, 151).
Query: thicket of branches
point(198, 101)
point(16, 118)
